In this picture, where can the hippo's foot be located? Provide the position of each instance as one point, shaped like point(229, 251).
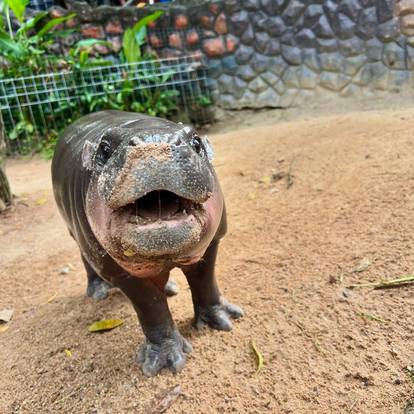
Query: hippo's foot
point(171, 288)
point(170, 353)
point(217, 316)
point(98, 289)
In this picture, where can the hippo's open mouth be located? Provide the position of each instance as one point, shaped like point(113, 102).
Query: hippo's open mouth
point(159, 225)
point(160, 206)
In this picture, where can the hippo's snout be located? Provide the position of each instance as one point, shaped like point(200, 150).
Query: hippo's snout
point(141, 168)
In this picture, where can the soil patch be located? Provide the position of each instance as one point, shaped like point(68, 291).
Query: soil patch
point(287, 259)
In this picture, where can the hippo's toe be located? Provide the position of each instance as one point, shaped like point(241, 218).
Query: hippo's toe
point(169, 353)
point(218, 316)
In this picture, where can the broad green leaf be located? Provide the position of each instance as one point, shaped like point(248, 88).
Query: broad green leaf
point(130, 47)
point(64, 33)
point(92, 42)
point(140, 36)
point(31, 23)
point(83, 56)
point(94, 63)
point(259, 357)
point(105, 325)
point(134, 38)
point(8, 45)
point(145, 20)
point(53, 23)
point(18, 7)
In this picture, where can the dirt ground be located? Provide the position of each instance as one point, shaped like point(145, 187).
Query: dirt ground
point(288, 259)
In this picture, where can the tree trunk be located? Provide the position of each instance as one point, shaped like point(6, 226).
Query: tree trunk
point(5, 193)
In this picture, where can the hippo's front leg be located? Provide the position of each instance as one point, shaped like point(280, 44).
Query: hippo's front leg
point(209, 306)
point(164, 347)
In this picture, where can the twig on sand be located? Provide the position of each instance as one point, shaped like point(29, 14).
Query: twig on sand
point(383, 284)
point(351, 407)
point(289, 175)
point(163, 402)
point(372, 317)
point(311, 335)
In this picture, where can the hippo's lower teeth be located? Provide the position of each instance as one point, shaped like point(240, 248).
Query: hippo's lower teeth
point(160, 205)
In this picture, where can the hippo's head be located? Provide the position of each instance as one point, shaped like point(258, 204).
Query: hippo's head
point(153, 201)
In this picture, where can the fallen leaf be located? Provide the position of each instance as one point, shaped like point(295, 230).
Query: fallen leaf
point(3, 328)
point(67, 353)
point(163, 402)
point(259, 357)
point(41, 200)
point(129, 252)
point(52, 298)
point(105, 325)
point(6, 315)
point(265, 180)
point(363, 265)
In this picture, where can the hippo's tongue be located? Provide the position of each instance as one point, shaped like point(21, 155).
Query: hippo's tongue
point(158, 205)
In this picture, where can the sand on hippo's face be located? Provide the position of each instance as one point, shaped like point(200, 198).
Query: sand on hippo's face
point(287, 259)
point(124, 181)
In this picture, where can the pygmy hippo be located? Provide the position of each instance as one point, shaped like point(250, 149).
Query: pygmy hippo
point(140, 197)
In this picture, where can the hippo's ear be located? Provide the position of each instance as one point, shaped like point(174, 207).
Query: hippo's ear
point(88, 154)
point(207, 146)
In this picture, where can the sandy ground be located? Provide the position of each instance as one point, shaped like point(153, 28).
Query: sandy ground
point(287, 260)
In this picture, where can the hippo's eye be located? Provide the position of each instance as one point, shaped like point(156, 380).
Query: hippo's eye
point(196, 144)
point(104, 152)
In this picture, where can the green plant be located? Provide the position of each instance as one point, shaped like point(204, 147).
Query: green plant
point(23, 127)
point(80, 55)
point(47, 148)
point(156, 102)
point(25, 50)
point(203, 100)
point(134, 38)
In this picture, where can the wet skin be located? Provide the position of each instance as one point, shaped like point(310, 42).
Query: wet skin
point(140, 197)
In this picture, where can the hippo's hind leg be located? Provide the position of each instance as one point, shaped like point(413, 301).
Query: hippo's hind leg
point(164, 347)
point(209, 306)
point(97, 287)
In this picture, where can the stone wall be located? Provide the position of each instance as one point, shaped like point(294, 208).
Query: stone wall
point(278, 53)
